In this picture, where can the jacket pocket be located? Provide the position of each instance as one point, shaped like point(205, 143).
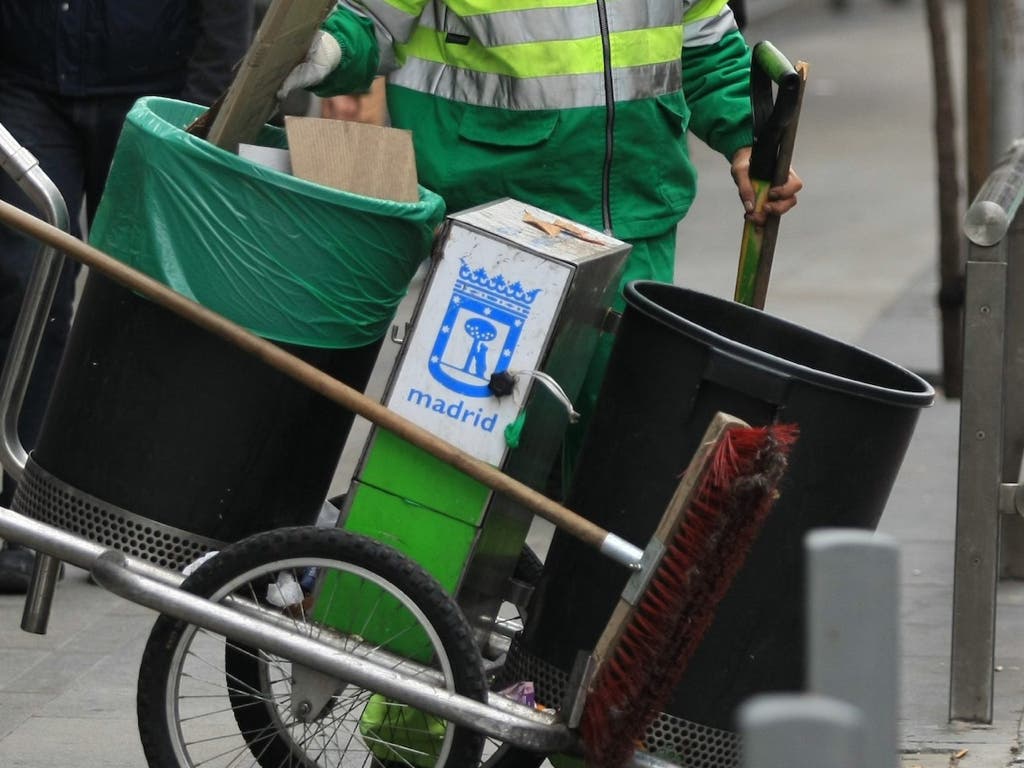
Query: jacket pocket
point(507, 128)
point(674, 109)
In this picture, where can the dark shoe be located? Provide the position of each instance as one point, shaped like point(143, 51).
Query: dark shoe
point(16, 565)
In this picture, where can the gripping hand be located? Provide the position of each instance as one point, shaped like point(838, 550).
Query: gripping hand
point(323, 57)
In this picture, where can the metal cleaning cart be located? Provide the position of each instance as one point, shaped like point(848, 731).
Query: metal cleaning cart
point(305, 646)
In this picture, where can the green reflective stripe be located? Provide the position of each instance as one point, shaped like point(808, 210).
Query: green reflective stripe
point(554, 92)
point(710, 30)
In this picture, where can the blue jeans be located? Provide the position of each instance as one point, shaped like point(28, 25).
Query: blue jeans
point(74, 141)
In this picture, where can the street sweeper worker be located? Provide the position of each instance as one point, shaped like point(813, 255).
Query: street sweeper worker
point(580, 108)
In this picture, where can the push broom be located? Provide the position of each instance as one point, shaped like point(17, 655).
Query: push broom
point(685, 570)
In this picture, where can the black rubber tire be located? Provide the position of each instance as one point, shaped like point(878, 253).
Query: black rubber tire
point(281, 549)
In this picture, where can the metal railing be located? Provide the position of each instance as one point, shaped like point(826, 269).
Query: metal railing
point(23, 168)
point(991, 429)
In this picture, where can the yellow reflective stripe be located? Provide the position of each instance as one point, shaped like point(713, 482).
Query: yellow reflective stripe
point(559, 57)
point(703, 9)
point(640, 47)
point(634, 48)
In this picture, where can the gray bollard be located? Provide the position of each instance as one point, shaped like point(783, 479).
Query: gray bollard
point(853, 631)
point(792, 730)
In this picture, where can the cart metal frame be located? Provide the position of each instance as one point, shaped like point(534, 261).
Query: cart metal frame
point(157, 588)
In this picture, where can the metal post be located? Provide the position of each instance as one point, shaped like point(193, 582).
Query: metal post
point(976, 563)
point(1011, 534)
point(788, 730)
point(1006, 64)
point(23, 168)
point(853, 631)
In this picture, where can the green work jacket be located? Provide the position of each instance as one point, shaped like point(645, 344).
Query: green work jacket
point(580, 107)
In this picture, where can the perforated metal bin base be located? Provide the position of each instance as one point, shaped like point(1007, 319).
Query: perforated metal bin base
point(686, 743)
point(47, 499)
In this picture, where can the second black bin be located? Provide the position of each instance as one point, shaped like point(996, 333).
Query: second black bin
point(679, 357)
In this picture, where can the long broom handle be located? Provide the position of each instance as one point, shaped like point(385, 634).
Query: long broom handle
point(771, 117)
point(608, 543)
point(770, 234)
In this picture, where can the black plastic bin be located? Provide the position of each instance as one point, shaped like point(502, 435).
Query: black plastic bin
point(165, 441)
point(679, 357)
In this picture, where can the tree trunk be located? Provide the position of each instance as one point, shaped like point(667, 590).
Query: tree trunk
point(951, 259)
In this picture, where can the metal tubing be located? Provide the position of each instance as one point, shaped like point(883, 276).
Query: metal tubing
point(69, 548)
point(84, 554)
point(24, 169)
point(55, 542)
point(976, 566)
point(1011, 530)
point(110, 571)
point(996, 203)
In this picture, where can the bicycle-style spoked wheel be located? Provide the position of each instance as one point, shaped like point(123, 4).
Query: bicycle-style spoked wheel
point(207, 701)
point(496, 753)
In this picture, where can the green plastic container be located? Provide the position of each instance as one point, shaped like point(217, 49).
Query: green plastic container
point(290, 260)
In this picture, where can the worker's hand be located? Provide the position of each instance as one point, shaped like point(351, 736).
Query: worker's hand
point(323, 57)
point(780, 199)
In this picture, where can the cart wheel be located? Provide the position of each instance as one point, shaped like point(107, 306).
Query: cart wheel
point(497, 754)
point(205, 700)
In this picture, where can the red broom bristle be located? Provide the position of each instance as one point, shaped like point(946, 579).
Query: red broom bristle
point(703, 556)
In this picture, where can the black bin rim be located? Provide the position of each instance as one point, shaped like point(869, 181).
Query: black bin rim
point(912, 390)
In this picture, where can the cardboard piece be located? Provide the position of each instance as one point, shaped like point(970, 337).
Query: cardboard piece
point(364, 159)
point(280, 43)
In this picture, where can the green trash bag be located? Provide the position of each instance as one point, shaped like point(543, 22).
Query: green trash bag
point(288, 259)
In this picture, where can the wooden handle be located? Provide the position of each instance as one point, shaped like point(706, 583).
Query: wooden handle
point(305, 374)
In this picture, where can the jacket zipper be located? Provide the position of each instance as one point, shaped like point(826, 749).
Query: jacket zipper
point(609, 123)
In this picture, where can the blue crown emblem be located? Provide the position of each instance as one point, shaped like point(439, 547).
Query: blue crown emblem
point(496, 287)
point(480, 330)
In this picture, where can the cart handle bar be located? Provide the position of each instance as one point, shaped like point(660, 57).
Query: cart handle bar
point(609, 544)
